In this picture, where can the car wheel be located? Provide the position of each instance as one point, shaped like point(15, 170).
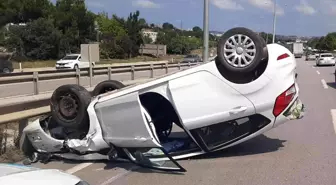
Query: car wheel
point(5, 70)
point(68, 106)
point(241, 50)
point(107, 86)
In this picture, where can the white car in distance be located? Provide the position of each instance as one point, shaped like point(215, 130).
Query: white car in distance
point(325, 59)
point(72, 61)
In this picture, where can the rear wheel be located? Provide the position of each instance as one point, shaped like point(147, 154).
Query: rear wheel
point(241, 50)
point(69, 106)
point(107, 86)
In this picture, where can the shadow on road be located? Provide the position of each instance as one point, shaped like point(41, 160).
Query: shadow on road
point(331, 84)
point(258, 145)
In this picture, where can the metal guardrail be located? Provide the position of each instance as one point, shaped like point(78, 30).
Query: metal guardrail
point(22, 108)
point(37, 76)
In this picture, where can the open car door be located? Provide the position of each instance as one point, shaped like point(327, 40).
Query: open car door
point(126, 124)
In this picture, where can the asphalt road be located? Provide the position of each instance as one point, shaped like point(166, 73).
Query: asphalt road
point(301, 152)
point(27, 88)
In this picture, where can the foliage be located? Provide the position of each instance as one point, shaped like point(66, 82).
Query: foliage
point(51, 30)
point(327, 42)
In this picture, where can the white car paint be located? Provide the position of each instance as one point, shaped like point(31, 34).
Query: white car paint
point(187, 90)
point(325, 59)
point(72, 61)
point(13, 174)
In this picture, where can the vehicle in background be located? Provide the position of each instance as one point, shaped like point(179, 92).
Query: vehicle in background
point(192, 58)
point(297, 49)
point(12, 174)
point(325, 59)
point(6, 66)
point(310, 56)
point(72, 61)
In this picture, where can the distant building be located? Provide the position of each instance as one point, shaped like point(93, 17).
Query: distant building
point(150, 33)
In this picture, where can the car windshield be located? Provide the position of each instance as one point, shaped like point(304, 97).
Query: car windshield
point(70, 57)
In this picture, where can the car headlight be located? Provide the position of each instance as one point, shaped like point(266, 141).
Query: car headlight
point(82, 183)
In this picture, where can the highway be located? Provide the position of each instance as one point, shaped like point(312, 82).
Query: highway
point(27, 88)
point(298, 152)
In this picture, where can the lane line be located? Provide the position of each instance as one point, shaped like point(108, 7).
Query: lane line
point(333, 116)
point(122, 174)
point(78, 168)
point(318, 72)
point(324, 84)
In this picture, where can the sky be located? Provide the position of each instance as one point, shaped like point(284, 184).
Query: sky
point(294, 17)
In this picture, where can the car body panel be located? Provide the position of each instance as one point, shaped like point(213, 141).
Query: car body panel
point(19, 174)
point(220, 102)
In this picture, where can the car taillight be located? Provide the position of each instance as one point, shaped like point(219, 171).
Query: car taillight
point(283, 100)
point(285, 55)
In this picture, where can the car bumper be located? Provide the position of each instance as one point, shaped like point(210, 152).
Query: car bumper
point(326, 62)
point(63, 66)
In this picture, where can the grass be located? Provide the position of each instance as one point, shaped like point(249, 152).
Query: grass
point(51, 63)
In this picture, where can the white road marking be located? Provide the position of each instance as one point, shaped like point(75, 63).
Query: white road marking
point(78, 168)
point(124, 173)
point(333, 115)
point(318, 72)
point(324, 84)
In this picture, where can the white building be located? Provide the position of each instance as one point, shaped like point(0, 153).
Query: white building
point(150, 33)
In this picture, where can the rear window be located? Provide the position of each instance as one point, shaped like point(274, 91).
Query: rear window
point(326, 55)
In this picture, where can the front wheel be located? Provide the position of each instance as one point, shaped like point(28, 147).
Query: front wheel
point(241, 50)
point(69, 106)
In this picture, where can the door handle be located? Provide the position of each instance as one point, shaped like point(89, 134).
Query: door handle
point(238, 110)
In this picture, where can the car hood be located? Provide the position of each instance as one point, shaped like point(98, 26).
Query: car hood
point(19, 174)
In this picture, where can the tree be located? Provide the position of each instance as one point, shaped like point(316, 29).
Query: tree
point(167, 26)
point(196, 29)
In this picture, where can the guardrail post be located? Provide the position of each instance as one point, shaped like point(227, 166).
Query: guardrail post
point(132, 71)
point(22, 124)
point(109, 73)
point(35, 81)
point(179, 65)
point(151, 70)
point(166, 68)
point(189, 64)
point(78, 76)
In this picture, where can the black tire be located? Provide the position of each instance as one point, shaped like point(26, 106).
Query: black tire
point(6, 70)
point(75, 95)
point(106, 86)
point(258, 45)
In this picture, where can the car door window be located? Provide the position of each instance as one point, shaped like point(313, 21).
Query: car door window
point(127, 125)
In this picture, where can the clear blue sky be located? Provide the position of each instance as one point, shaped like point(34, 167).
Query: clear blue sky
point(295, 17)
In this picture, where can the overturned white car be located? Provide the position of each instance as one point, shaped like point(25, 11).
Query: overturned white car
point(247, 90)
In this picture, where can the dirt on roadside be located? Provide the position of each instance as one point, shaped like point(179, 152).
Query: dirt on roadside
point(9, 144)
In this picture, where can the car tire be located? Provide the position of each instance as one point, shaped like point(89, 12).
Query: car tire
point(107, 86)
point(69, 105)
point(226, 48)
point(5, 70)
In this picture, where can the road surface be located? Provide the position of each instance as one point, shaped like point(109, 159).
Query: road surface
point(298, 152)
point(27, 88)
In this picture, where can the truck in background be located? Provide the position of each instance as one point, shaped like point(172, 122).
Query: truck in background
point(297, 49)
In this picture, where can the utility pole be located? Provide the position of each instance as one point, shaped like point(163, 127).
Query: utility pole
point(274, 20)
point(206, 31)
